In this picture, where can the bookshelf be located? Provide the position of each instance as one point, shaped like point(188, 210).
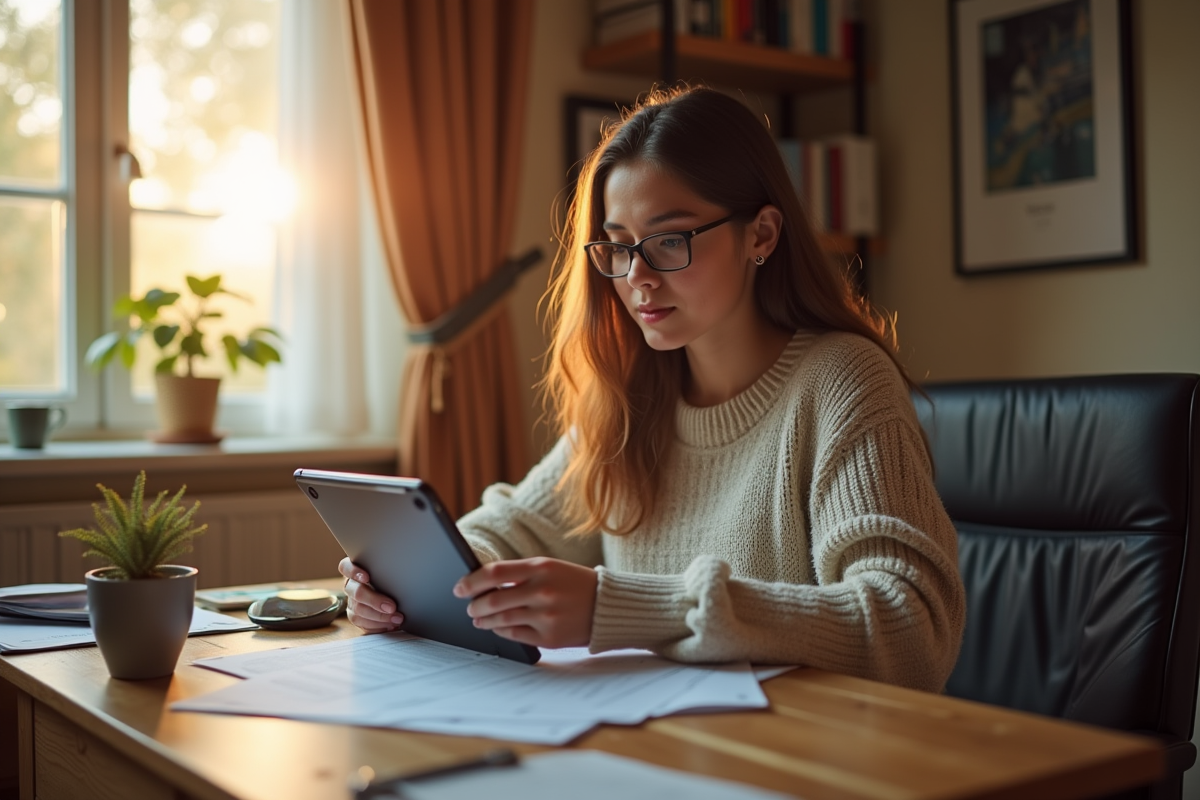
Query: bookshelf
point(741, 64)
point(666, 54)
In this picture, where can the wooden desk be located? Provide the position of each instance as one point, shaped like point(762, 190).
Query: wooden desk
point(82, 734)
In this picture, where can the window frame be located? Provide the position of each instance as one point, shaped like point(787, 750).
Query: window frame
point(94, 64)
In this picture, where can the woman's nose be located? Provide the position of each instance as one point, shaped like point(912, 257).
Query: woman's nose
point(640, 272)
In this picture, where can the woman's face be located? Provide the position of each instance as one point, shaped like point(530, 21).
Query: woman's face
point(710, 299)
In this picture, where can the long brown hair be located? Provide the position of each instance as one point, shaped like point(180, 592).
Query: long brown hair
point(610, 393)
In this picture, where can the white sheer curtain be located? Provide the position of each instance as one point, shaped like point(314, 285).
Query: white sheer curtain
point(333, 301)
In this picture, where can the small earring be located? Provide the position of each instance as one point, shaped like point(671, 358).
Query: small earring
point(759, 260)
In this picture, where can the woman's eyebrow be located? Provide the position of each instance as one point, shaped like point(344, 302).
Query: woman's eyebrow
point(658, 219)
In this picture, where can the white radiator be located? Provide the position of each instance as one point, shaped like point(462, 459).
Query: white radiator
point(251, 538)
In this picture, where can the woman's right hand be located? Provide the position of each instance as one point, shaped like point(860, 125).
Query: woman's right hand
point(365, 607)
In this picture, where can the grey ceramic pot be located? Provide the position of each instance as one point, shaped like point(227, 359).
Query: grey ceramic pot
point(141, 625)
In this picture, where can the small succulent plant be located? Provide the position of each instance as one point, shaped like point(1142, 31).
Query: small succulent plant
point(135, 538)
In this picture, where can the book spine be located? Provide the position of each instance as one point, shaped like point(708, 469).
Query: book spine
point(817, 196)
point(745, 20)
point(617, 21)
point(833, 19)
point(861, 203)
point(729, 20)
point(834, 180)
point(800, 26)
point(820, 27)
point(789, 149)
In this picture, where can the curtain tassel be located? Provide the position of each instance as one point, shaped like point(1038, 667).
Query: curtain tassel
point(441, 368)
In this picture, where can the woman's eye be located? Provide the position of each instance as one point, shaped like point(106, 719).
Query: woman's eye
point(670, 242)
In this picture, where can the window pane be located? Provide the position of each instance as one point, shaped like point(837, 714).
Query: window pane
point(31, 288)
point(203, 103)
point(31, 105)
point(167, 248)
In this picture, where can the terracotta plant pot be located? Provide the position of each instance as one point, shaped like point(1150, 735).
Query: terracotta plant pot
point(141, 625)
point(186, 409)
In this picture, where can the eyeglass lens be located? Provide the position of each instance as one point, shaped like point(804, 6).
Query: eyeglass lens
point(664, 251)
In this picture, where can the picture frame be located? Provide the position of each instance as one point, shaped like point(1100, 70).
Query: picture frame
point(583, 119)
point(1041, 104)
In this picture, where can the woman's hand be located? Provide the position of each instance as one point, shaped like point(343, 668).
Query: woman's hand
point(365, 607)
point(543, 602)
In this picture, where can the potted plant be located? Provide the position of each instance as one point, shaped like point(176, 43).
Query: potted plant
point(140, 607)
point(186, 402)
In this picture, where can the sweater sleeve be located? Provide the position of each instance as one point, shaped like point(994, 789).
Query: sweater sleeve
point(526, 520)
point(888, 602)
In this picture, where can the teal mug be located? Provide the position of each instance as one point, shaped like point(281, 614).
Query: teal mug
point(30, 424)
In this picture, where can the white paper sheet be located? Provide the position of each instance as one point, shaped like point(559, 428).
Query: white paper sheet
point(401, 681)
point(581, 775)
point(32, 635)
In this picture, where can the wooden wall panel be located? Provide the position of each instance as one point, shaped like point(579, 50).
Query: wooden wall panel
point(251, 538)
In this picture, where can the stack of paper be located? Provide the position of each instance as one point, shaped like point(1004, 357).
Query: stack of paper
point(397, 680)
point(64, 602)
point(50, 616)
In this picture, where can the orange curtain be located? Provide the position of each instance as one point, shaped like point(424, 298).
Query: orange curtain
point(443, 88)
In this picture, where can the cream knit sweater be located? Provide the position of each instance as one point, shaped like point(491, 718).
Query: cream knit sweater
point(797, 524)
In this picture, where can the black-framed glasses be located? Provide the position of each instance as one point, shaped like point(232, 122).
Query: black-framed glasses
point(670, 251)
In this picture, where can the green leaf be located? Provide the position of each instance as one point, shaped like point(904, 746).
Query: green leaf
point(164, 334)
point(193, 344)
point(260, 352)
point(238, 295)
point(127, 351)
point(258, 333)
point(203, 287)
point(233, 350)
point(101, 351)
point(157, 298)
point(167, 365)
point(123, 307)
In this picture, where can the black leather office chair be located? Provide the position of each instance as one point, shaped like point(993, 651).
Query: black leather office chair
point(1077, 502)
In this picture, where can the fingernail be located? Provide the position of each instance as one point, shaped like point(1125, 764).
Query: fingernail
point(387, 608)
point(358, 576)
point(397, 619)
point(459, 591)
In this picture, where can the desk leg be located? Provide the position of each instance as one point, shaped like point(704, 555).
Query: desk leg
point(25, 745)
point(8, 741)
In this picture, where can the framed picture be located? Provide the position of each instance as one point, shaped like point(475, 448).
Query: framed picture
point(1043, 134)
point(585, 116)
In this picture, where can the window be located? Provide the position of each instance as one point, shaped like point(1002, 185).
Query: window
point(33, 201)
point(170, 171)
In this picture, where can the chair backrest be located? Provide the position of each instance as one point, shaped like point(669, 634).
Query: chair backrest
point(1075, 501)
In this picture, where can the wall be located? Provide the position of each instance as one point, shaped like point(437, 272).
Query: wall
point(1127, 318)
point(561, 32)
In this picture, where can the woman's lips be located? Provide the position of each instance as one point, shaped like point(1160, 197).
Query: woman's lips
point(653, 314)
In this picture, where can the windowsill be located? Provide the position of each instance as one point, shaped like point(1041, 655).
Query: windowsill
point(69, 470)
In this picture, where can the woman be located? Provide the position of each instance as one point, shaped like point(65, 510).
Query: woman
point(740, 474)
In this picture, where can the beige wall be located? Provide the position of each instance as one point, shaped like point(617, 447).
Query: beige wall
point(1127, 318)
point(561, 32)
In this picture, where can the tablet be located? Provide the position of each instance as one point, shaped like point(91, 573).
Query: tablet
point(398, 530)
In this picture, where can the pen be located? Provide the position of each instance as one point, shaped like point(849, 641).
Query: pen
point(501, 757)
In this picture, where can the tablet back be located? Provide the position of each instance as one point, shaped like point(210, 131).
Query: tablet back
point(401, 534)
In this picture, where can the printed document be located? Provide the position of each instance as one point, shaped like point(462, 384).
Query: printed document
point(581, 775)
point(402, 681)
point(19, 635)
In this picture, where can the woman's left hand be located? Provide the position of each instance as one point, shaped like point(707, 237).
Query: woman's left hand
point(543, 602)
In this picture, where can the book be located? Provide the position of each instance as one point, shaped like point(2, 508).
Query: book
point(800, 17)
point(859, 193)
point(60, 602)
point(616, 20)
point(237, 598)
